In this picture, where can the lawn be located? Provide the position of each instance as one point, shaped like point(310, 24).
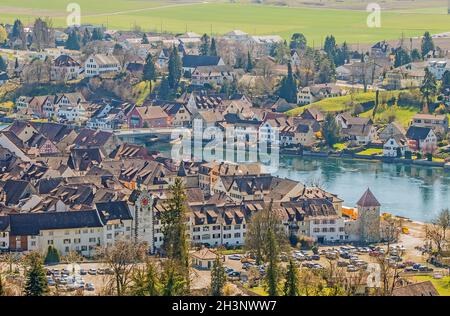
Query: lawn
point(232, 251)
point(141, 91)
point(441, 285)
point(371, 151)
point(402, 114)
point(340, 146)
point(336, 104)
point(219, 18)
point(258, 290)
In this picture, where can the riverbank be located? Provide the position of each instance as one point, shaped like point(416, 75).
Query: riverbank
point(355, 156)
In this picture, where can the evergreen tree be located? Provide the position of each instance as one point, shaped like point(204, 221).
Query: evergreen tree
point(145, 281)
point(291, 287)
point(415, 55)
point(288, 87)
point(174, 225)
point(427, 44)
point(18, 32)
point(174, 283)
point(175, 68)
point(144, 39)
point(327, 70)
point(97, 34)
point(16, 64)
point(401, 57)
point(218, 277)
point(330, 46)
point(445, 80)
point(86, 37)
point(331, 130)
point(3, 65)
point(204, 46)
point(213, 48)
point(149, 68)
point(272, 273)
point(298, 41)
point(35, 280)
point(73, 41)
point(164, 92)
point(249, 67)
point(428, 87)
point(52, 255)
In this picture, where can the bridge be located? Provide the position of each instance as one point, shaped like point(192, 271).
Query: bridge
point(159, 132)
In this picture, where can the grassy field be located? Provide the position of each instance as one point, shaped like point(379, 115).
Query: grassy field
point(441, 285)
point(219, 18)
point(336, 104)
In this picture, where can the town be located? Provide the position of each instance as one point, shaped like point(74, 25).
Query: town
point(89, 207)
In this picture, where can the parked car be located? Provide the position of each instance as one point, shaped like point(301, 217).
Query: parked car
point(235, 257)
point(92, 271)
point(352, 268)
point(83, 272)
point(228, 270)
point(342, 263)
point(234, 274)
point(90, 287)
point(109, 271)
point(101, 271)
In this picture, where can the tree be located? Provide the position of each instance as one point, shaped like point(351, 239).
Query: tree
point(145, 281)
point(445, 80)
point(331, 130)
point(122, 258)
point(52, 255)
point(173, 222)
point(144, 39)
point(97, 34)
point(213, 48)
point(291, 287)
point(164, 92)
point(298, 41)
point(257, 236)
point(18, 33)
point(436, 232)
point(401, 57)
point(218, 277)
point(288, 87)
point(3, 35)
point(390, 231)
point(415, 55)
point(204, 45)
point(86, 37)
point(330, 46)
point(149, 68)
point(175, 68)
point(327, 71)
point(281, 53)
point(174, 282)
point(272, 273)
point(35, 279)
point(427, 44)
point(73, 40)
point(249, 67)
point(42, 35)
point(3, 65)
point(428, 87)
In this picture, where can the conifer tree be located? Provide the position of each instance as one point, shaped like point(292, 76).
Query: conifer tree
point(213, 48)
point(218, 277)
point(144, 39)
point(73, 41)
point(175, 68)
point(291, 284)
point(35, 280)
point(288, 87)
point(272, 273)
point(249, 62)
point(3, 65)
point(164, 89)
point(204, 46)
point(149, 68)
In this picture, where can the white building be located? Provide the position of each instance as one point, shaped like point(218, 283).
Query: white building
point(101, 63)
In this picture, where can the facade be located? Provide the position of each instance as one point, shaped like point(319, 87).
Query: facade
point(438, 123)
point(99, 64)
point(65, 68)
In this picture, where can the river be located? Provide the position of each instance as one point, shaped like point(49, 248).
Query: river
point(415, 192)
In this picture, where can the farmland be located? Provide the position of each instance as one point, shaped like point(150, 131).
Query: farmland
point(219, 18)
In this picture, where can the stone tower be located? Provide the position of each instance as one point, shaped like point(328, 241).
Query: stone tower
point(143, 230)
point(369, 218)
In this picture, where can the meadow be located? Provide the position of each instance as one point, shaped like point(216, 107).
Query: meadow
point(219, 18)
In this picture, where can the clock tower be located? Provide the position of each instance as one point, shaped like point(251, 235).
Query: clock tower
point(143, 225)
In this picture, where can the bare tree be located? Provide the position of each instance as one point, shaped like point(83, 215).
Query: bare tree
point(436, 232)
point(122, 258)
point(390, 231)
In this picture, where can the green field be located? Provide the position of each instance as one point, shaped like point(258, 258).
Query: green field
point(219, 18)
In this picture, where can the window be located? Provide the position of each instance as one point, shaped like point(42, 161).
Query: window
point(66, 241)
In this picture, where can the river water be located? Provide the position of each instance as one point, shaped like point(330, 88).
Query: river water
point(415, 192)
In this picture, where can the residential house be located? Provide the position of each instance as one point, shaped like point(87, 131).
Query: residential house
point(311, 94)
point(395, 146)
point(100, 64)
point(393, 129)
point(147, 117)
point(191, 62)
point(438, 67)
point(65, 68)
point(439, 123)
point(236, 35)
point(421, 139)
point(179, 114)
point(70, 107)
point(214, 75)
point(357, 130)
